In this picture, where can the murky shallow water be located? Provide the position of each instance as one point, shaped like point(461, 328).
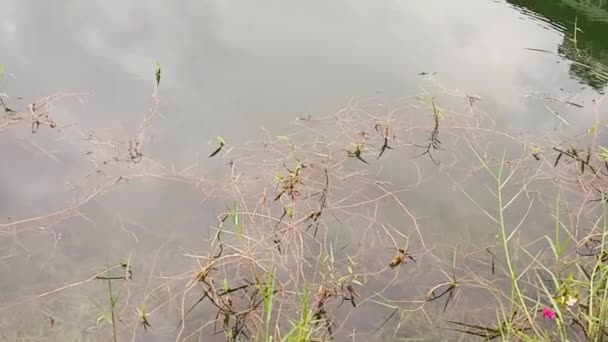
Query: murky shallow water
point(230, 69)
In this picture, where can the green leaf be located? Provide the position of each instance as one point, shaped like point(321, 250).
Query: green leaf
point(603, 155)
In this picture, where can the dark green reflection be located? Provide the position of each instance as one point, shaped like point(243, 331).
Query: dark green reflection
point(589, 50)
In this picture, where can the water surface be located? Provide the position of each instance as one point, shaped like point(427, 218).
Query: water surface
point(230, 68)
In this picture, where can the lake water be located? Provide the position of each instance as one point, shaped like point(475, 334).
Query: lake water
point(75, 197)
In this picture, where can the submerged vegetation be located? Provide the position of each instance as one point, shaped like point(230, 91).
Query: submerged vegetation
point(480, 234)
point(309, 230)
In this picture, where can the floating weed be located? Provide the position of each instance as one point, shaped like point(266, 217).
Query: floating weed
point(345, 283)
point(201, 276)
point(433, 140)
point(287, 185)
point(569, 103)
point(536, 152)
point(5, 109)
point(40, 113)
point(448, 288)
point(315, 215)
point(357, 152)
point(383, 129)
point(232, 316)
point(489, 333)
point(157, 72)
point(471, 99)
point(221, 142)
point(321, 315)
point(578, 156)
point(143, 317)
point(126, 265)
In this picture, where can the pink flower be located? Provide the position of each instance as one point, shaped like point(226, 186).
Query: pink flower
point(548, 313)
